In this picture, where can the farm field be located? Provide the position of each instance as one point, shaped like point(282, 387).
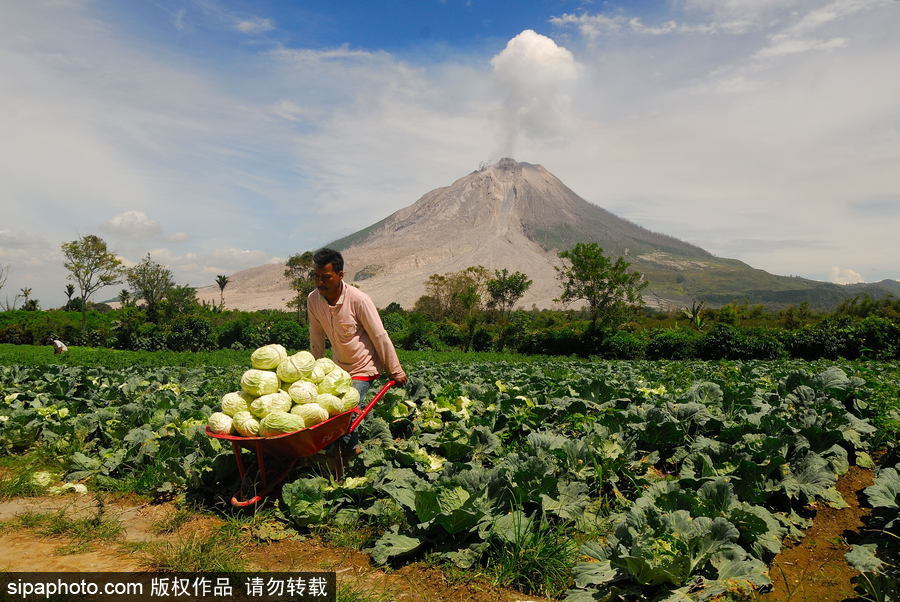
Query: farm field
point(559, 478)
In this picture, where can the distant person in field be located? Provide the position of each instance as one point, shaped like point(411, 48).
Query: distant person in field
point(58, 346)
point(348, 317)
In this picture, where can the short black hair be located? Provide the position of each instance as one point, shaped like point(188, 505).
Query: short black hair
point(323, 257)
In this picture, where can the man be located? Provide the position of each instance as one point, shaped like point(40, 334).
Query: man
point(58, 346)
point(348, 317)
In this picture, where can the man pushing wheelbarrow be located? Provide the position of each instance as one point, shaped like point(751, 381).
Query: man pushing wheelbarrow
point(361, 350)
point(348, 317)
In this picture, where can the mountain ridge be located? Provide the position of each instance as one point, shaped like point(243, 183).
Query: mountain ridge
point(517, 215)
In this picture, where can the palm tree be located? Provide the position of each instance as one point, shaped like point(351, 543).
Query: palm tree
point(222, 280)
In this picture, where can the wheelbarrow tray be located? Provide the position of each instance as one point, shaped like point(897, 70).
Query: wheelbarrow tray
point(298, 444)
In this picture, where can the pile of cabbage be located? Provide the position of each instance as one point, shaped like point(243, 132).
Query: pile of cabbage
point(284, 393)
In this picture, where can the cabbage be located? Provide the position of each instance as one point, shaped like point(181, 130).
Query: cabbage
point(335, 382)
point(259, 382)
point(246, 425)
point(232, 403)
point(279, 423)
point(317, 374)
point(312, 413)
point(268, 357)
point(273, 402)
point(303, 392)
point(295, 367)
point(220, 423)
point(351, 398)
point(327, 364)
point(334, 405)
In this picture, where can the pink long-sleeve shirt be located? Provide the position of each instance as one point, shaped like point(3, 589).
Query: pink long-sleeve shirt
point(359, 343)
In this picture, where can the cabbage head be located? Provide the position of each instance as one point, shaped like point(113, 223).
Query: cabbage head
point(303, 392)
point(220, 423)
point(295, 367)
point(273, 402)
point(317, 374)
point(235, 402)
point(351, 398)
point(326, 364)
point(279, 423)
point(246, 425)
point(334, 405)
point(259, 382)
point(268, 357)
point(312, 413)
point(335, 382)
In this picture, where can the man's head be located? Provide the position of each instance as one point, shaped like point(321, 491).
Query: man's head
point(329, 272)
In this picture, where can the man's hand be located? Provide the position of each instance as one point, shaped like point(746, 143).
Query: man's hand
point(400, 380)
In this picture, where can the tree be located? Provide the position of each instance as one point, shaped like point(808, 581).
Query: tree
point(124, 297)
point(180, 300)
point(506, 289)
point(222, 280)
point(91, 266)
point(300, 270)
point(151, 282)
point(610, 290)
point(457, 295)
point(4, 274)
point(29, 304)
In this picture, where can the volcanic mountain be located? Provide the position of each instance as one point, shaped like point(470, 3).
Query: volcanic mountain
point(517, 216)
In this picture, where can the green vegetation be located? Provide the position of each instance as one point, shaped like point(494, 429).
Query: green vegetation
point(670, 476)
point(82, 531)
point(220, 550)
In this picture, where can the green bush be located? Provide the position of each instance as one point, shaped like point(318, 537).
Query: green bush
point(624, 346)
point(291, 334)
point(190, 333)
point(673, 344)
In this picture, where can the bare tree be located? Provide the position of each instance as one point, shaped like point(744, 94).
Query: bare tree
point(91, 266)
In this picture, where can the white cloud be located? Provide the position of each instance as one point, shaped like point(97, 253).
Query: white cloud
point(255, 25)
point(845, 275)
point(133, 224)
point(178, 237)
point(534, 75)
point(795, 46)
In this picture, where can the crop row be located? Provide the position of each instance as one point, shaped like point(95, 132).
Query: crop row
point(675, 478)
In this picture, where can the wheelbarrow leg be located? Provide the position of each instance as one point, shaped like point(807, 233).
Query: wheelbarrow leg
point(237, 458)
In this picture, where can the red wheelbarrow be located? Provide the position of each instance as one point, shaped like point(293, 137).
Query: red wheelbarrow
point(296, 446)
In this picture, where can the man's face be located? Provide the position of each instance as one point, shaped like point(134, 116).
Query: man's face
point(328, 281)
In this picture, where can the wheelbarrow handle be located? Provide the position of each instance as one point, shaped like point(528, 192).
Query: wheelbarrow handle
point(362, 413)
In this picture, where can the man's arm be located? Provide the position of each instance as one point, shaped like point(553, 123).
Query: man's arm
point(316, 333)
point(384, 347)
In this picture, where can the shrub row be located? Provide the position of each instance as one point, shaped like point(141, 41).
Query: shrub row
point(852, 338)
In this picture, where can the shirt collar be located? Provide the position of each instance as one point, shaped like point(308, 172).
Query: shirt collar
point(340, 299)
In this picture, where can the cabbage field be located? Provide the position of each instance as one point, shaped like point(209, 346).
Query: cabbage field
point(583, 479)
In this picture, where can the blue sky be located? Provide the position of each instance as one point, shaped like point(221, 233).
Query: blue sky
point(220, 135)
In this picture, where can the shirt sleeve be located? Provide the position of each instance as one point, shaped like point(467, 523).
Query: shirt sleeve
point(316, 333)
point(384, 347)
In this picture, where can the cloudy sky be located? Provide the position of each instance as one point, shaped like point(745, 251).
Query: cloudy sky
point(223, 134)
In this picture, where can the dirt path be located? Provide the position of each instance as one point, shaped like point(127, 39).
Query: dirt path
point(27, 550)
point(815, 568)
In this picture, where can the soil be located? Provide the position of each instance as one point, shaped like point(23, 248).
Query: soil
point(815, 567)
point(27, 550)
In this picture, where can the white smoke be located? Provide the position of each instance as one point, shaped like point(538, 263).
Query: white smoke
point(845, 275)
point(534, 75)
